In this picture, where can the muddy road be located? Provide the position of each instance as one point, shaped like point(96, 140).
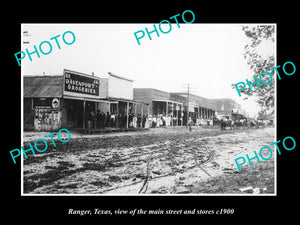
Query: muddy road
point(157, 161)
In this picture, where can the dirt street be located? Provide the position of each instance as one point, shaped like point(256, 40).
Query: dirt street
point(156, 161)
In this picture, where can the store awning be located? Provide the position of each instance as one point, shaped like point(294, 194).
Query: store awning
point(89, 99)
point(127, 100)
point(163, 100)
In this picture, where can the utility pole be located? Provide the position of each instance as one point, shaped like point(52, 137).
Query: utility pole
point(188, 101)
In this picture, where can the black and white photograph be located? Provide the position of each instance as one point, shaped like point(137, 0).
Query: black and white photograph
point(149, 111)
point(144, 109)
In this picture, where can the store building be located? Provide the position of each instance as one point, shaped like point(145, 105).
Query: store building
point(201, 110)
point(161, 103)
point(227, 106)
point(73, 99)
point(175, 104)
point(42, 102)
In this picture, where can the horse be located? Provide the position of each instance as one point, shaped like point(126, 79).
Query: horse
point(240, 123)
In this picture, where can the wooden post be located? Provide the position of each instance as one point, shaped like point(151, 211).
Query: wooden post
point(117, 117)
point(177, 108)
point(201, 113)
point(127, 111)
point(181, 114)
point(83, 114)
point(200, 109)
point(172, 114)
point(95, 114)
point(167, 110)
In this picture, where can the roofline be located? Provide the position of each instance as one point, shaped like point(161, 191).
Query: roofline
point(80, 73)
point(43, 75)
point(154, 89)
point(186, 93)
point(117, 76)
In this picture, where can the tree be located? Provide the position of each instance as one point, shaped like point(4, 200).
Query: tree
point(260, 62)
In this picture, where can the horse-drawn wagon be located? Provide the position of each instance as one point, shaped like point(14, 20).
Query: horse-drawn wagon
point(226, 121)
point(239, 121)
point(234, 121)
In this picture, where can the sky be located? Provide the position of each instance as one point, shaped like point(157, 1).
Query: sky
point(207, 56)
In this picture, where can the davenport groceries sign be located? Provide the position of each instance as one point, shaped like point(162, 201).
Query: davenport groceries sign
point(81, 84)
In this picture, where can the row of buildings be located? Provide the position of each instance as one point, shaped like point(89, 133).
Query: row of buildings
point(70, 101)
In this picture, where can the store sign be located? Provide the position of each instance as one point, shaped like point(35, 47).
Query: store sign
point(192, 106)
point(81, 84)
point(46, 103)
point(55, 103)
point(191, 109)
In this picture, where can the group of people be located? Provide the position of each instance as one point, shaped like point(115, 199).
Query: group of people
point(101, 120)
point(161, 120)
point(137, 121)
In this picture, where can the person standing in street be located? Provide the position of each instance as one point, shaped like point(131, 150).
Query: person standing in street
point(143, 121)
point(190, 122)
point(139, 120)
point(107, 120)
point(97, 119)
